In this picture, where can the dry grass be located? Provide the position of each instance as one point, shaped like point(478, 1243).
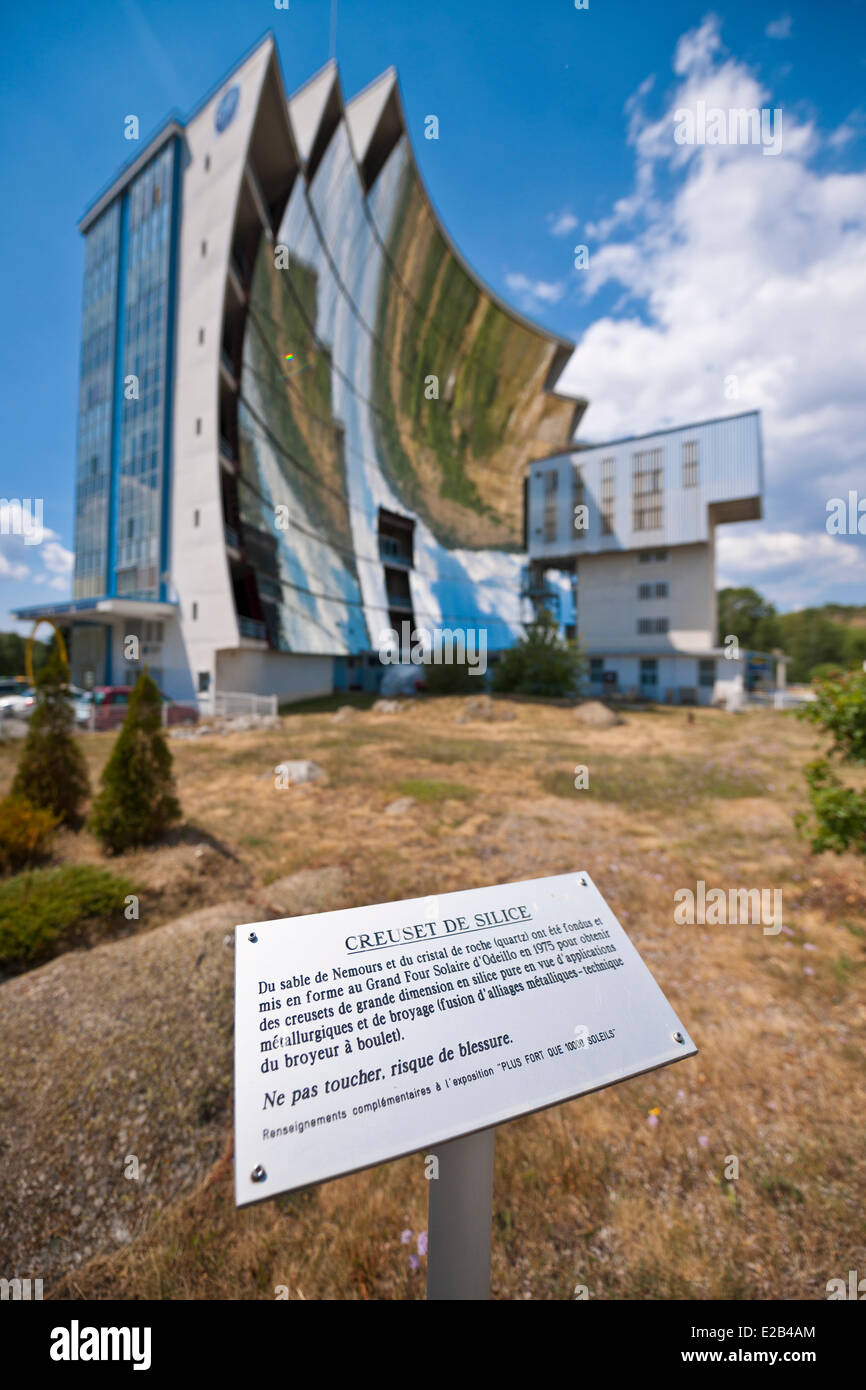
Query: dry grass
point(588, 1193)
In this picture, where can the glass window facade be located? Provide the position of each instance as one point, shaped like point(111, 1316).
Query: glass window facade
point(122, 435)
point(145, 358)
point(93, 467)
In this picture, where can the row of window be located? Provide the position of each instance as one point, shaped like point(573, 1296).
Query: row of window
point(647, 489)
point(649, 671)
point(648, 625)
point(652, 590)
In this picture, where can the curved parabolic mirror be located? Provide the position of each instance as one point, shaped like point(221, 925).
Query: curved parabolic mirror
point(292, 467)
point(457, 460)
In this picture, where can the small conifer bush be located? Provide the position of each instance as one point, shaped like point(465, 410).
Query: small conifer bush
point(137, 802)
point(26, 833)
point(52, 772)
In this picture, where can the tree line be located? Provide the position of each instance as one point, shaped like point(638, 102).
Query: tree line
point(817, 640)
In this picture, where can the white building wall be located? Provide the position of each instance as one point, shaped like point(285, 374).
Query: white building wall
point(729, 468)
point(284, 674)
point(199, 568)
point(608, 607)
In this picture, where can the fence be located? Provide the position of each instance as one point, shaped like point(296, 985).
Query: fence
point(227, 702)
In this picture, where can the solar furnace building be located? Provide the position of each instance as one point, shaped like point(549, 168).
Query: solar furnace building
point(303, 420)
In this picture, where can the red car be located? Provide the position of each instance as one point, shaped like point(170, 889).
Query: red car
point(111, 702)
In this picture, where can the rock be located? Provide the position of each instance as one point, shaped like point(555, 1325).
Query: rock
point(308, 890)
point(400, 806)
point(480, 707)
point(386, 707)
point(483, 707)
point(343, 713)
point(146, 1035)
point(299, 770)
point(596, 715)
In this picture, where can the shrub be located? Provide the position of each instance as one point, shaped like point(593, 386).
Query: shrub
point(137, 802)
point(26, 833)
point(46, 909)
point(541, 663)
point(827, 670)
point(452, 678)
point(52, 772)
point(839, 811)
point(839, 708)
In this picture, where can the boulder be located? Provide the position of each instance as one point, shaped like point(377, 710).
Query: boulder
point(386, 707)
point(307, 890)
point(596, 715)
point(483, 707)
point(299, 770)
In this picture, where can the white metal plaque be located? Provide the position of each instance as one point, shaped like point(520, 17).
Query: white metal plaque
point(373, 1032)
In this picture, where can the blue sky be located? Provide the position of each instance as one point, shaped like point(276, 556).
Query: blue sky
point(706, 264)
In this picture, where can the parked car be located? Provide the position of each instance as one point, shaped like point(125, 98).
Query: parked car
point(110, 704)
point(20, 704)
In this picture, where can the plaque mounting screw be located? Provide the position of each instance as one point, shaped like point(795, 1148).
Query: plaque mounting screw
point(252, 936)
point(258, 1174)
point(678, 1037)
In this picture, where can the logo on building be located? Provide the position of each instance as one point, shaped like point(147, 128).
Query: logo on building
point(228, 105)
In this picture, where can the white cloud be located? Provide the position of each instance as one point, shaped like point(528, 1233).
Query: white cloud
point(10, 569)
point(779, 28)
point(561, 223)
point(20, 560)
point(732, 264)
point(775, 562)
point(57, 558)
point(852, 127)
point(533, 292)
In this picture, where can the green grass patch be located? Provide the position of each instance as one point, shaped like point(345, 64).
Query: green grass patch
point(781, 1191)
point(433, 793)
point(47, 910)
point(647, 783)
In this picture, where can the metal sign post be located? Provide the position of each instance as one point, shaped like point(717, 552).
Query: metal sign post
point(460, 1219)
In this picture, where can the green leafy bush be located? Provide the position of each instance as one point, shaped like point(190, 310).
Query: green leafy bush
point(839, 812)
point(26, 833)
point(46, 909)
point(839, 708)
point(52, 772)
point(452, 678)
point(541, 663)
point(137, 802)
